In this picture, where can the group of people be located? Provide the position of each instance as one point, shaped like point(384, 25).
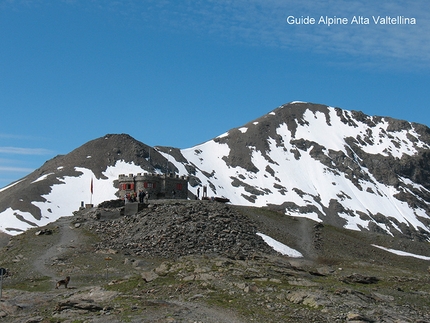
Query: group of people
point(133, 196)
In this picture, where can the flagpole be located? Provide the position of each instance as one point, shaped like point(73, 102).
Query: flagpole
point(91, 188)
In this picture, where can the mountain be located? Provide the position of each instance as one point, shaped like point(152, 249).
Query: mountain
point(334, 166)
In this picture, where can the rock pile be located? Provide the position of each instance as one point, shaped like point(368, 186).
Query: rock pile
point(182, 228)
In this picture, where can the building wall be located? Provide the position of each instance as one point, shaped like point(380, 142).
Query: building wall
point(157, 185)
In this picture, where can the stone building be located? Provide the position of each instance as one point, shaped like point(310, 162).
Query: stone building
point(158, 186)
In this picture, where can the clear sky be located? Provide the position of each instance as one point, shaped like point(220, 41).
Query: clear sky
point(178, 73)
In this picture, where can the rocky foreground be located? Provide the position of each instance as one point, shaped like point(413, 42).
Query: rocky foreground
point(174, 229)
point(195, 261)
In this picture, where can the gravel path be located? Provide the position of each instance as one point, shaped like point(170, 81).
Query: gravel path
point(68, 238)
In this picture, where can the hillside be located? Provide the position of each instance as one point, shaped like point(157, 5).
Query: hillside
point(334, 166)
point(129, 269)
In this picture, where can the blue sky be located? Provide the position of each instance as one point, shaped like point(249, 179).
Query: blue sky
point(178, 73)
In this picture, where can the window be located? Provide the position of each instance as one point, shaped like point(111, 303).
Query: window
point(149, 185)
point(179, 186)
point(128, 186)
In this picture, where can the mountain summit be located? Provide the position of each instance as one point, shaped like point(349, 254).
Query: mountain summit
point(334, 166)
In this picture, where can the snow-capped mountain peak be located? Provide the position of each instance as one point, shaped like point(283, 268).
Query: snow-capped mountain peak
point(331, 165)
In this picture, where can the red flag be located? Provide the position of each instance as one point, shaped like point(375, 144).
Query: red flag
point(91, 188)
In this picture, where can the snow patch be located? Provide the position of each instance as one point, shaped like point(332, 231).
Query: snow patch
point(12, 224)
point(225, 134)
point(280, 247)
point(41, 178)
point(243, 129)
point(9, 186)
point(402, 253)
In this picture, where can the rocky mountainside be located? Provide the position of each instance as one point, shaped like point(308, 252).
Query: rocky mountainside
point(334, 166)
point(29, 202)
point(202, 261)
point(331, 165)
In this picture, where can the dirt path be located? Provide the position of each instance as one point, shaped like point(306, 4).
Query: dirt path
point(68, 238)
point(4, 239)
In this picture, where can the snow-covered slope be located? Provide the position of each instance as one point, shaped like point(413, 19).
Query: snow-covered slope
point(326, 164)
point(331, 165)
point(60, 186)
point(64, 197)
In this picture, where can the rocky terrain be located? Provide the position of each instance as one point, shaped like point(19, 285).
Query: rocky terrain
point(201, 261)
point(184, 228)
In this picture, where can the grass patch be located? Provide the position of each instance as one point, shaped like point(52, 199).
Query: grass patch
point(37, 284)
point(126, 286)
